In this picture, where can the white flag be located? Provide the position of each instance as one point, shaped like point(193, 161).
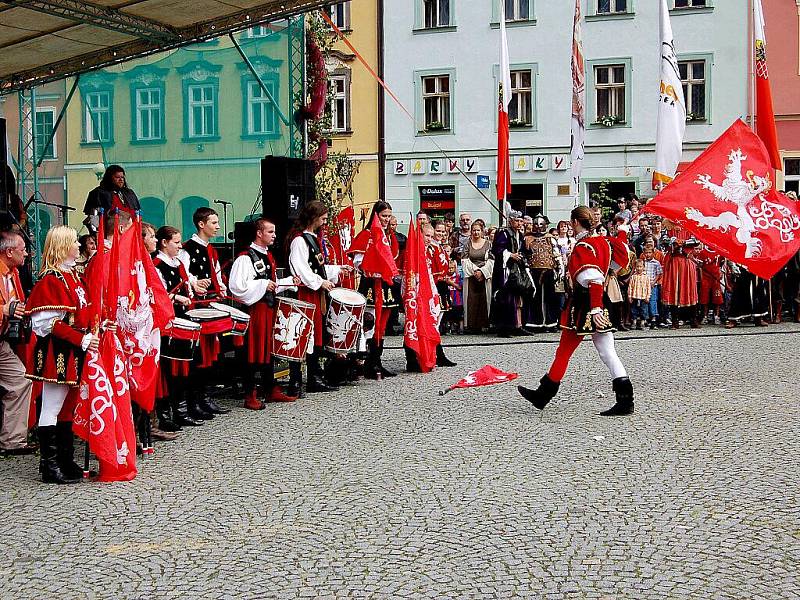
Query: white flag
point(671, 108)
point(578, 137)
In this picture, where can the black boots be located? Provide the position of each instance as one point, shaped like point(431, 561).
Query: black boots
point(180, 409)
point(441, 359)
point(623, 388)
point(48, 464)
point(65, 453)
point(315, 379)
point(166, 421)
point(373, 367)
point(412, 362)
point(539, 397)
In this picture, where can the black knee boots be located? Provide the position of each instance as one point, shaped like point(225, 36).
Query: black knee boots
point(65, 454)
point(623, 388)
point(48, 463)
point(539, 397)
point(441, 359)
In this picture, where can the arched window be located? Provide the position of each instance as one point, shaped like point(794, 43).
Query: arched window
point(152, 211)
point(188, 206)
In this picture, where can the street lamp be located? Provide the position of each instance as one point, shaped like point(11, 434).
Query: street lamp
point(99, 170)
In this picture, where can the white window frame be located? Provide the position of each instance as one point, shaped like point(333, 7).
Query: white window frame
point(339, 103)
point(54, 146)
point(690, 4)
point(690, 82)
point(91, 136)
point(340, 14)
point(257, 100)
point(519, 93)
point(613, 8)
point(435, 24)
point(204, 104)
point(516, 13)
point(442, 101)
point(618, 92)
point(153, 112)
point(790, 178)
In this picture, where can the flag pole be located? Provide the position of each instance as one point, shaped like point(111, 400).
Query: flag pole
point(751, 19)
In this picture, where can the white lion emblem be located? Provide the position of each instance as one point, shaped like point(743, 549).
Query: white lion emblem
point(753, 211)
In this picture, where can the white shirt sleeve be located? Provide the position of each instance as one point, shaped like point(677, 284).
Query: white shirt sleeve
point(298, 264)
point(42, 321)
point(183, 256)
point(243, 283)
point(333, 272)
point(285, 284)
point(588, 276)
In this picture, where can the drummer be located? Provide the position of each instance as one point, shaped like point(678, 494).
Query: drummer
point(253, 282)
point(201, 262)
point(307, 262)
point(175, 372)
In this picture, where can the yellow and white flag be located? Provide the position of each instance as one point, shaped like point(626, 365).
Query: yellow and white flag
point(671, 107)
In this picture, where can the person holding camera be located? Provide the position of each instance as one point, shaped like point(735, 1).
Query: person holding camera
point(253, 282)
point(15, 396)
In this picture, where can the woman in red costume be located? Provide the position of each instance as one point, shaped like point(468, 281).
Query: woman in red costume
point(679, 282)
point(380, 294)
point(58, 309)
point(587, 314)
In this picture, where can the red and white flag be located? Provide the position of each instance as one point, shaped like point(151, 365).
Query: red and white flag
point(340, 234)
point(765, 115)
point(578, 137)
point(671, 123)
point(488, 375)
point(504, 99)
point(727, 199)
point(411, 292)
point(429, 311)
point(378, 257)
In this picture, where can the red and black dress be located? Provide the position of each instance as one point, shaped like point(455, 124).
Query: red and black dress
point(57, 306)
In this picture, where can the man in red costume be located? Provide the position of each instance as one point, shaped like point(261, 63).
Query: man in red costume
point(587, 313)
point(252, 282)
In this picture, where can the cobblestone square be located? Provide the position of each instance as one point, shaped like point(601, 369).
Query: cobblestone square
point(387, 490)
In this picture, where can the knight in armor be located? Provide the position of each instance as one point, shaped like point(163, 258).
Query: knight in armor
point(59, 317)
point(544, 258)
point(506, 309)
point(172, 406)
point(587, 314)
point(307, 263)
point(253, 282)
point(201, 262)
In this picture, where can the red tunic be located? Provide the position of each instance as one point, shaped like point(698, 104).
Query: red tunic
point(58, 357)
point(259, 333)
point(591, 252)
point(439, 264)
point(679, 282)
point(710, 277)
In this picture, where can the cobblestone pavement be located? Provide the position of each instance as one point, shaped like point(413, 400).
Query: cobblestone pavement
point(390, 491)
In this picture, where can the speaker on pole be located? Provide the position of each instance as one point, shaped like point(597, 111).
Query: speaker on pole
point(287, 185)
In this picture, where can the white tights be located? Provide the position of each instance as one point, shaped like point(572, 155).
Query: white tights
point(53, 396)
point(604, 342)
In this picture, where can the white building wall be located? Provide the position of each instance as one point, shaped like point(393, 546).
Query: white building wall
point(620, 153)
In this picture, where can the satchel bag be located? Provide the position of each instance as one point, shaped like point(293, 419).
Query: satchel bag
point(519, 279)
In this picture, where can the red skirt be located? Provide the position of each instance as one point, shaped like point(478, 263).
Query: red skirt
point(679, 284)
point(317, 298)
point(209, 350)
point(259, 334)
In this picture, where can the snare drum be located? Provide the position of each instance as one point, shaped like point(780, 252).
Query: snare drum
point(181, 341)
point(211, 321)
point(345, 320)
point(292, 329)
point(239, 319)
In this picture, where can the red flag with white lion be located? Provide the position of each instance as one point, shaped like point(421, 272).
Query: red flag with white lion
point(727, 199)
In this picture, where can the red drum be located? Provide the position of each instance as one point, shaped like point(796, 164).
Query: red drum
point(239, 319)
point(292, 329)
point(211, 321)
point(181, 341)
point(345, 320)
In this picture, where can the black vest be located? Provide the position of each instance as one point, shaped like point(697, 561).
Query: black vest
point(316, 260)
point(172, 279)
point(199, 262)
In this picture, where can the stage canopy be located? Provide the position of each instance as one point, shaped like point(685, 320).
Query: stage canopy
point(47, 40)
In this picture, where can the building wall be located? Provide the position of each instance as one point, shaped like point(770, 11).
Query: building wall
point(175, 173)
point(469, 50)
point(361, 141)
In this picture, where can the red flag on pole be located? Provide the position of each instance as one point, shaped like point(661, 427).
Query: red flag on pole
point(504, 99)
point(378, 257)
point(765, 115)
point(488, 375)
point(429, 309)
point(726, 198)
point(411, 291)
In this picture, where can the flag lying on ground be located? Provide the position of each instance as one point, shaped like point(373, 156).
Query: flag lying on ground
point(727, 199)
point(488, 375)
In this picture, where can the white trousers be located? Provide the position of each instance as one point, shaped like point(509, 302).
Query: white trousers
point(53, 396)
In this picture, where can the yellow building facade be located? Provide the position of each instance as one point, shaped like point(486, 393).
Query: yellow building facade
point(354, 99)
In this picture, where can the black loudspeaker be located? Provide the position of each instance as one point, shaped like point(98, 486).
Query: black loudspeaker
point(287, 184)
point(244, 232)
point(4, 183)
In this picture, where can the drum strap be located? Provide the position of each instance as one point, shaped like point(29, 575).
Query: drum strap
point(315, 258)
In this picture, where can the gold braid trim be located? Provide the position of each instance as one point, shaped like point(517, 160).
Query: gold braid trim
point(47, 380)
point(51, 307)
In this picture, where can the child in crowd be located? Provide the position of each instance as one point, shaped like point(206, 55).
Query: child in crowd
point(654, 270)
point(639, 291)
point(456, 298)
